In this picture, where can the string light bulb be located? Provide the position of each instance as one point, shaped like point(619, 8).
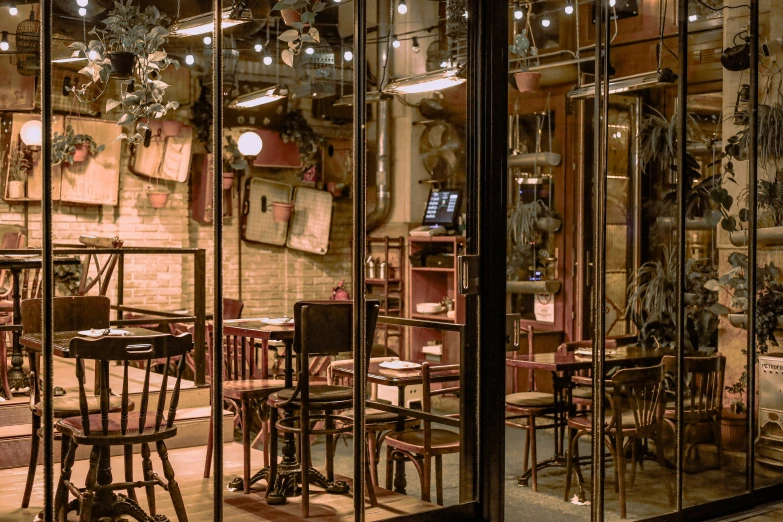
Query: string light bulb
point(402, 7)
point(207, 40)
point(309, 50)
point(4, 41)
point(13, 11)
point(545, 22)
point(693, 18)
point(612, 3)
point(569, 9)
point(518, 13)
point(82, 11)
point(190, 59)
point(82, 3)
point(267, 60)
point(415, 47)
point(396, 43)
point(348, 55)
point(258, 47)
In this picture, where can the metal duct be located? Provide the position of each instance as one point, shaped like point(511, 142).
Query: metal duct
point(383, 126)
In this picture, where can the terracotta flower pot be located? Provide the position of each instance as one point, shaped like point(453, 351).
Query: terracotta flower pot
point(170, 128)
point(16, 189)
point(282, 211)
point(81, 152)
point(734, 430)
point(228, 180)
point(122, 63)
point(158, 199)
point(290, 16)
point(527, 81)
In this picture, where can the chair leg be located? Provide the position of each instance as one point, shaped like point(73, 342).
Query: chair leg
point(4, 367)
point(34, 445)
point(246, 419)
point(569, 462)
point(634, 458)
point(61, 495)
point(369, 484)
point(439, 479)
point(128, 454)
point(525, 460)
point(331, 447)
point(533, 457)
point(304, 443)
point(85, 510)
point(272, 451)
point(389, 467)
point(372, 456)
point(426, 477)
point(146, 466)
point(620, 456)
point(208, 459)
point(168, 472)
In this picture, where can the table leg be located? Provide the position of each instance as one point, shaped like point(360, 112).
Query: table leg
point(16, 377)
point(399, 464)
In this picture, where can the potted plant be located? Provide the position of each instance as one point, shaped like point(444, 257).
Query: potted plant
point(300, 15)
point(525, 80)
point(734, 419)
point(526, 224)
point(135, 36)
point(157, 195)
point(770, 203)
point(17, 174)
point(282, 210)
point(297, 130)
point(69, 148)
point(234, 161)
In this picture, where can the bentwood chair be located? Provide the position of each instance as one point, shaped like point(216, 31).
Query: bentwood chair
point(420, 446)
point(108, 428)
point(11, 240)
point(70, 314)
point(321, 328)
point(702, 401)
point(637, 398)
point(530, 404)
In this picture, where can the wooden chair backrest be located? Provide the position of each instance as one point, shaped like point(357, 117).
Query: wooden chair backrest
point(103, 272)
point(450, 386)
point(640, 391)
point(533, 341)
point(332, 379)
point(70, 313)
point(110, 349)
point(704, 379)
point(11, 240)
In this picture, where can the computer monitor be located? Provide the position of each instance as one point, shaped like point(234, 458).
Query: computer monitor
point(443, 208)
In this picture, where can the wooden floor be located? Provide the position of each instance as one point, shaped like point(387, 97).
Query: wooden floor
point(188, 464)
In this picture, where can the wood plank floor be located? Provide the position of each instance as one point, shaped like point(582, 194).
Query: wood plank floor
point(188, 463)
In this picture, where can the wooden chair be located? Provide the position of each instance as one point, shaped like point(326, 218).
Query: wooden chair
point(103, 272)
point(637, 403)
point(247, 394)
point(70, 314)
point(420, 446)
point(703, 401)
point(530, 404)
point(108, 428)
point(11, 240)
point(321, 328)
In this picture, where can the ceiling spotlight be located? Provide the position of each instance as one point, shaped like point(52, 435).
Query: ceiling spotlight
point(13, 11)
point(267, 60)
point(415, 47)
point(190, 59)
point(258, 47)
point(348, 55)
point(396, 43)
point(4, 42)
point(546, 22)
point(207, 40)
point(402, 7)
point(569, 9)
point(82, 11)
point(82, 3)
point(309, 50)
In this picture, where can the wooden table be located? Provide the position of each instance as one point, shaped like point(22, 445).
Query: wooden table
point(15, 264)
point(61, 341)
point(400, 379)
point(563, 367)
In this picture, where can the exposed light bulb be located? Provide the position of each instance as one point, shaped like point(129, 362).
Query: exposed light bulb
point(13, 11)
point(309, 50)
point(93, 55)
point(4, 46)
point(258, 47)
point(82, 3)
point(569, 9)
point(402, 7)
point(348, 55)
point(415, 47)
point(190, 59)
point(396, 43)
point(267, 60)
point(250, 144)
point(612, 3)
point(82, 11)
point(31, 133)
point(207, 40)
point(518, 14)
point(546, 22)
point(693, 18)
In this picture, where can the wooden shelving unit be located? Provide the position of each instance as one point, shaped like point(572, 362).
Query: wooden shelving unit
point(388, 289)
point(430, 284)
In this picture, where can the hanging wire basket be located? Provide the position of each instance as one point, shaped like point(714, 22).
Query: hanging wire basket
point(28, 42)
point(317, 73)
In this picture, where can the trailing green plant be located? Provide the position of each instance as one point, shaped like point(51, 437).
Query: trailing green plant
point(522, 227)
point(658, 140)
point(770, 197)
point(127, 28)
point(735, 281)
point(296, 129)
point(201, 118)
point(19, 166)
point(770, 135)
point(233, 158)
point(64, 145)
point(303, 31)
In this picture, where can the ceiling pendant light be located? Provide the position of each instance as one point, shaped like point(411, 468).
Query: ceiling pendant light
point(432, 81)
point(4, 45)
point(201, 24)
point(402, 7)
point(262, 97)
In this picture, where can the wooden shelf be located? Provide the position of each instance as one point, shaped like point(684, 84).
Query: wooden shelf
point(377, 281)
point(431, 269)
point(434, 317)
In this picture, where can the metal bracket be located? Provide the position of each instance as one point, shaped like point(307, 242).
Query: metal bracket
point(468, 272)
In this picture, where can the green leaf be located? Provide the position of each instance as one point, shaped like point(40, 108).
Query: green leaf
point(78, 45)
point(308, 39)
point(713, 217)
point(729, 224)
point(288, 57)
point(290, 35)
point(111, 104)
point(315, 34)
point(279, 6)
point(120, 136)
point(157, 56)
point(126, 118)
point(319, 6)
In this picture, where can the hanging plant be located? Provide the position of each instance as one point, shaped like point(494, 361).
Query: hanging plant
point(300, 15)
point(69, 148)
point(130, 31)
point(297, 130)
point(201, 118)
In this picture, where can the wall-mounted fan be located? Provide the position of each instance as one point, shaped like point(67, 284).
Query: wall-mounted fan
point(441, 152)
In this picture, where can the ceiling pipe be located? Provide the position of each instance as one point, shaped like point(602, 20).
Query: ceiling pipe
point(383, 125)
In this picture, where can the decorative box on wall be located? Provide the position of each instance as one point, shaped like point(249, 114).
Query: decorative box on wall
point(201, 191)
point(311, 222)
point(258, 222)
point(276, 153)
point(168, 154)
